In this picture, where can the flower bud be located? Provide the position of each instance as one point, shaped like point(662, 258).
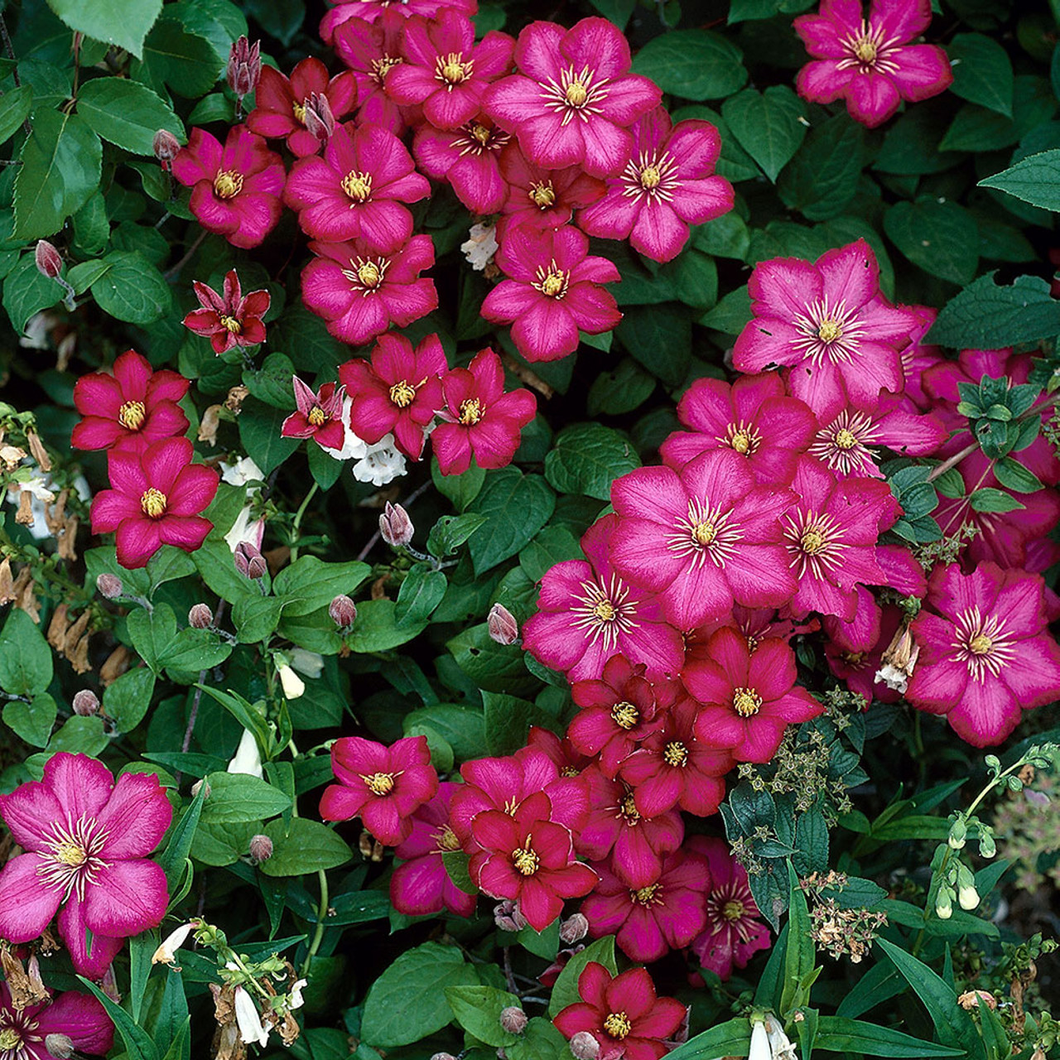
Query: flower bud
point(319, 119)
point(200, 617)
point(944, 903)
point(573, 929)
point(86, 703)
point(584, 1046)
point(958, 832)
point(507, 917)
point(198, 786)
point(260, 848)
point(59, 1045)
point(513, 1020)
point(249, 561)
point(166, 146)
point(395, 526)
point(967, 895)
point(343, 612)
point(109, 585)
point(293, 685)
point(443, 1056)
point(502, 625)
point(244, 66)
point(49, 261)
point(987, 846)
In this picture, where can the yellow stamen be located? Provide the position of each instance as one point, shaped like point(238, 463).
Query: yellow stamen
point(369, 274)
point(403, 394)
point(845, 439)
point(70, 853)
point(132, 415)
point(865, 50)
point(480, 133)
point(317, 416)
point(646, 895)
point(228, 184)
point(299, 112)
point(628, 807)
point(650, 177)
point(153, 503)
point(447, 839)
point(543, 195)
point(980, 645)
point(525, 860)
point(358, 186)
point(732, 910)
point(605, 611)
point(741, 442)
point(10, 1040)
point(746, 702)
point(704, 533)
point(625, 715)
point(812, 542)
point(232, 325)
point(553, 284)
point(380, 783)
point(452, 69)
point(577, 93)
point(470, 412)
point(617, 1024)
point(829, 330)
point(675, 754)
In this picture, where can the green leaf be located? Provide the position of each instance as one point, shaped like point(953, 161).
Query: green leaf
point(79, 735)
point(936, 234)
point(132, 289)
point(565, 990)
point(271, 383)
point(121, 22)
point(822, 178)
point(420, 593)
point(174, 858)
point(478, 1010)
point(732, 1038)
point(618, 11)
point(138, 1043)
point(125, 113)
point(14, 110)
point(25, 658)
point(259, 431)
point(255, 617)
point(508, 721)
point(32, 721)
point(300, 846)
point(128, 699)
point(767, 125)
point(837, 1034)
point(982, 72)
point(309, 583)
point(985, 316)
point(587, 458)
point(27, 291)
point(692, 63)
point(988, 499)
point(376, 628)
point(516, 507)
point(238, 797)
point(186, 62)
point(660, 339)
point(1035, 179)
point(462, 489)
point(1014, 476)
point(407, 1002)
point(801, 955)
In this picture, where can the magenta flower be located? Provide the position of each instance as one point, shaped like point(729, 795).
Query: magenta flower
point(318, 416)
point(574, 99)
point(397, 392)
point(702, 538)
point(666, 914)
point(985, 657)
point(747, 699)
point(734, 931)
point(280, 103)
point(229, 319)
point(543, 198)
point(371, 11)
point(235, 189)
point(382, 785)
point(870, 63)
point(469, 159)
point(829, 323)
point(357, 190)
point(421, 886)
point(371, 50)
point(586, 613)
point(569, 762)
point(156, 500)
point(79, 1017)
point(668, 184)
point(622, 1013)
point(130, 409)
point(857, 666)
point(86, 839)
point(479, 418)
point(553, 291)
point(753, 417)
point(444, 70)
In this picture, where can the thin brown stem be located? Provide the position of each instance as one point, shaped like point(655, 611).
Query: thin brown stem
point(952, 461)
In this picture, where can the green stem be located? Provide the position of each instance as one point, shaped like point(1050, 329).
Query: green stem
point(322, 912)
point(297, 525)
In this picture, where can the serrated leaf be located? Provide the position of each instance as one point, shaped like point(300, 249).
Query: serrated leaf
point(767, 125)
point(1035, 179)
point(516, 506)
point(587, 458)
point(986, 316)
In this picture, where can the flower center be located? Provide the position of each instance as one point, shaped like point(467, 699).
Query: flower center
point(317, 416)
point(403, 394)
point(369, 274)
point(71, 858)
point(625, 715)
point(380, 783)
point(69, 852)
point(543, 195)
point(605, 611)
point(480, 132)
point(10, 1039)
point(446, 840)
point(525, 859)
point(980, 645)
point(732, 910)
point(627, 807)
point(845, 439)
point(132, 415)
point(617, 1024)
point(577, 93)
point(813, 541)
point(299, 111)
point(358, 186)
point(452, 70)
point(381, 66)
point(704, 533)
point(646, 895)
point(470, 412)
point(153, 503)
point(741, 442)
point(829, 330)
point(232, 325)
point(554, 283)
point(675, 754)
point(228, 184)
point(746, 702)
point(650, 177)
point(865, 50)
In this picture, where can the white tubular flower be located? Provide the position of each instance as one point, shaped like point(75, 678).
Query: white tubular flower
point(779, 1042)
point(293, 685)
point(353, 447)
point(759, 1043)
point(481, 247)
point(247, 758)
point(296, 994)
point(381, 464)
point(166, 953)
point(249, 1022)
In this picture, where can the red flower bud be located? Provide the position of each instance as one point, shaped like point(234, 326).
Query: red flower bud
point(502, 625)
point(49, 261)
point(109, 585)
point(244, 66)
point(249, 561)
point(319, 119)
point(86, 703)
point(343, 612)
point(260, 848)
point(200, 617)
point(513, 1020)
point(395, 526)
point(166, 146)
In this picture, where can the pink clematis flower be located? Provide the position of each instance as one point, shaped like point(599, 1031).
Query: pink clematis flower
point(587, 613)
point(156, 500)
point(397, 391)
point(542, 198)
point(829, 323)
point(358, 189)
point(469, 159)
point(622, 1013)
point(372, 11)
point(734, 931)
point(747, 699)
point(382, 785)
point(666, 914)
point(574, 99)
point(24, 1031)
point(230, 318)
point(870, 62)
point(479, 418)
point(553, 291)
point(753, 417)
point(702, 538)
point(444, 70)
point(236, 188)
point(421, 886)
point(371, 50)
point(668, 184)
point(985, 657)
point(86, 839)
point(360, 293)
point(318, 416)
point(280, 102)
point(130, 409)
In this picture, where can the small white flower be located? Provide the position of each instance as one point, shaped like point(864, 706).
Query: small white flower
point(353, 448)
point(759, 1043)
point(244, 528)
point(166, 953)
point(248, 1020)
point(310, 663)
point(382, 463)
point(779, 1042)
point(247, 758)
point(242, 472)
point(36, 333)
point(293, 685)
point(481, 247)
point(296, 994)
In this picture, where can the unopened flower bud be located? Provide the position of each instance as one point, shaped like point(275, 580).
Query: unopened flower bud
point(968, 896)
point(293, 685)
point(958, 832)
point(86, 703)
point(244, 66)
point(343, 612)
point(584, 1046)
point(260, 848)
point(513, 1020)
point(59, 1045)
point(200, 617)
point(319, 120)
point(49, 261)
point(443, 1056)
point(944, 903)
point(573, 929)
point(198, 786)
point(109, 585)
point(249, 561)
point(987, 846)
point(166, 146)
point(395, 526)
point(507, 917)
point(502, 625)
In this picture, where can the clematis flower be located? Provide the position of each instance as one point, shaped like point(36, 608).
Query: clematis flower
point(622, 1013)
point(373, 11)
point(156, 499)
point(371, 50)
point(870, 62)
point(479, 418)
point(236, 188)
point(668, 184)
point(444, 70)
point(553, 291)
point(734, 931)
point(86, 838)
point(24, 1031)
point(985, 657)
point(702, 538)
point(469, 159)
point(829, 323)
point(666, 914)
point(318, 416)
point(421, 886)
point(753, 417)
point(358, 189)
point(543, 198)
point(746, 699)
point(229, 319)
point(571, 763)
point(586, 613)
point(382, 785)
point(397, 391)
point(574, 98)
point(281, 102)
point(130, 409)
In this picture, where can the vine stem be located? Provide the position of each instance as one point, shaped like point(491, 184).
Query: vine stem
point(322, 912)
point(170, 273)
point(298, 515)
point(952, 461)
point(218, 615)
